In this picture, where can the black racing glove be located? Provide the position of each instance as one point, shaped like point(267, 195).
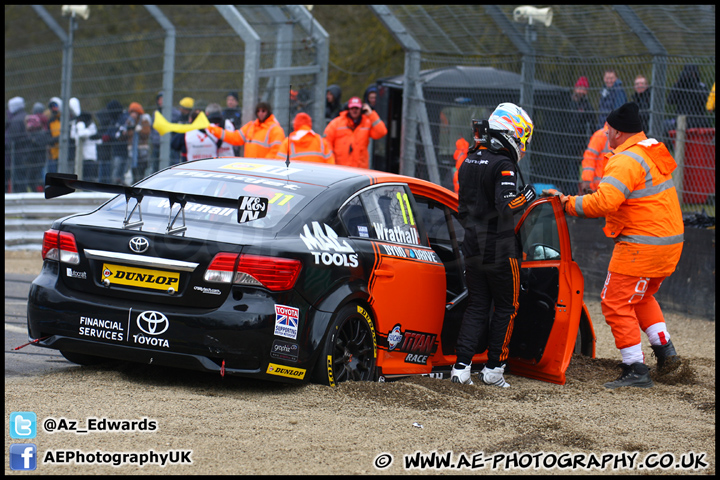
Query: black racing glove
point(528, 191)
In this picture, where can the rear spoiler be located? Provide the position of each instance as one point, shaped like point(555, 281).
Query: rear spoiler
point(248, 208)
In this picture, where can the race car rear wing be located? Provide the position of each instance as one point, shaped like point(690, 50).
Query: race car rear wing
point(248, 208)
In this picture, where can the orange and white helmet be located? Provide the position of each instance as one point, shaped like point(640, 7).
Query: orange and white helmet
point(513, 122)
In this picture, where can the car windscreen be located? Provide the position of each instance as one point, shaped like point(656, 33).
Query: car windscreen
point(284, 198)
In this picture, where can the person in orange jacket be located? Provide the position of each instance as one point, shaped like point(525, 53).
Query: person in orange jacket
point(262, 137)
point(350, 132)
point(642, 214)
point(593, 162)
point(461, 151)
point(304, 144)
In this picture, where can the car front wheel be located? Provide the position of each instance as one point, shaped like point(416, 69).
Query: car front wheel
point(350, 348)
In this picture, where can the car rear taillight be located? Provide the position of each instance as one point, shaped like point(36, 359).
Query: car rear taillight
point(60, 246)
point(273, 273)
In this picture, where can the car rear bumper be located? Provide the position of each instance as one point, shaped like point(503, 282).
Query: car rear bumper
point(239, 338)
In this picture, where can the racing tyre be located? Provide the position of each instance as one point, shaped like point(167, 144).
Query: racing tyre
point(82, 359)
point(350, 348)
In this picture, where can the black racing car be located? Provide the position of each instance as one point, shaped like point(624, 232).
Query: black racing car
point(289, 273)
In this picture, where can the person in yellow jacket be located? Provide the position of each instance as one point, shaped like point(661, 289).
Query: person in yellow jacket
point(304, 144)
point(711, 100)
point(642, 214)
point(593, 162)
point(350, 133)
point(262, 137)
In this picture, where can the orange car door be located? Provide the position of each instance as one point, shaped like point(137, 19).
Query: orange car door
point(551, 296)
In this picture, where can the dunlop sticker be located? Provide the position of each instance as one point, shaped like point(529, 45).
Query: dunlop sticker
point(283, 371)
point(139, 277)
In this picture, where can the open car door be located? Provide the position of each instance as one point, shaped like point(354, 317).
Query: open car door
point(545, 331)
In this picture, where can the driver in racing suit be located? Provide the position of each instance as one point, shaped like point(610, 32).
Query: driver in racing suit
point(488, 202)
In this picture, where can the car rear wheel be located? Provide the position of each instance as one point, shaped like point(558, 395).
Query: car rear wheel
point(350, 348)
point(82, 359)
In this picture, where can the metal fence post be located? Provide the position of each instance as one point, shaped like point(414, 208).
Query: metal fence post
point(168, 79)
point(252, 58)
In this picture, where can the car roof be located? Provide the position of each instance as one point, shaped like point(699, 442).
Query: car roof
point(313, 173)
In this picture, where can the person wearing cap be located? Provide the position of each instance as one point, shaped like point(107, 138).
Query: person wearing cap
point(137, 133)
point(186, 106)
point(350, 132)
point(580, 125)
point(304, 144)
point(642, 214)
point(262, 137)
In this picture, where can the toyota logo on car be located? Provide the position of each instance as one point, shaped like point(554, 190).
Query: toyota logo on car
point(139, 244)
point(152, 323)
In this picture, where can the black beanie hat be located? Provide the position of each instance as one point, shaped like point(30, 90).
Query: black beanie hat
point(626, 118)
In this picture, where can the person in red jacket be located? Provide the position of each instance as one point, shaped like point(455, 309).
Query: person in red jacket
point(350, 133)
point(304, 144)
point(642, 214)
point(262, 137)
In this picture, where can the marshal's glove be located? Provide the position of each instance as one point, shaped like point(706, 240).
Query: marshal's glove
point(553, 192)
point(528, 191)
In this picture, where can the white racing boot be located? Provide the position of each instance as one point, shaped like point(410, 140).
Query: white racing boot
point(461, 375)
point(494, 376)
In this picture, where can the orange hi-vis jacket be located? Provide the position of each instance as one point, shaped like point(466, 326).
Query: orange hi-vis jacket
point(461, 151)
point(642, 213)
point(261, 139)
point(350, 143)
point(593, 163)
point(306, 145)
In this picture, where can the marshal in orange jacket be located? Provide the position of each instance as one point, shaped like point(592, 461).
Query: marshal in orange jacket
point(642, 213)
point(593, 162)
point(350, 143)
point(261, 139)
point(307, 146)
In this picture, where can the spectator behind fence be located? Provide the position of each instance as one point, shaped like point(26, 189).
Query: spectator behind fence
point(641, 96)
point(137, 131)
point(16, 146)
point(54, 111)
point(304, 144)
point(689, 96)
point(612, 96)
point(370, 96)
point(198, 144)
point(232, 112)
point(39, 139)
point(350, 133)
point(113, 138)
point(333, 99)
point(581, 121)
point(83, 130)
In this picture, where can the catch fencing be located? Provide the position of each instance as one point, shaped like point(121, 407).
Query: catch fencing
point(461, 62)
point(454, 58)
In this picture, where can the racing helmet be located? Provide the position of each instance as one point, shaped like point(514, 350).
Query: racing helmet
point(514, 125)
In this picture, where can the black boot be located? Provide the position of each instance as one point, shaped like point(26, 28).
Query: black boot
point(635, 375)
point(667, 358)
